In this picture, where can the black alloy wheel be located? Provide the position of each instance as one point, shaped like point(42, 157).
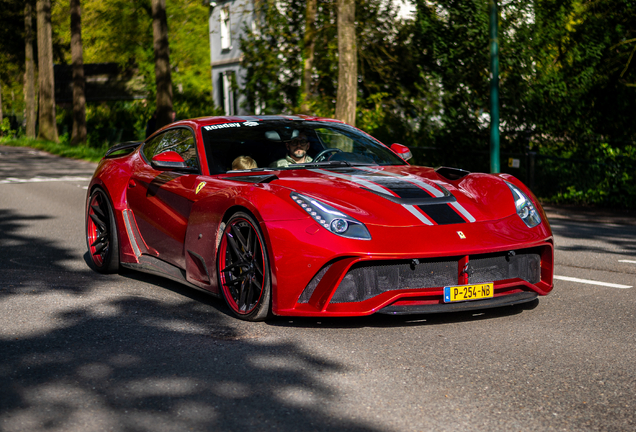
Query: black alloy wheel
point(101, 233)
point(243, 269)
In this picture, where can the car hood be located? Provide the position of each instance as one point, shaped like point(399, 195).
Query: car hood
point(402, 195)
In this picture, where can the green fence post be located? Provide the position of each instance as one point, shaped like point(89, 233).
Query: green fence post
point(494, 90)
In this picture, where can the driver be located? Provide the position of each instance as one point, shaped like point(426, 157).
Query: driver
point(296, 152)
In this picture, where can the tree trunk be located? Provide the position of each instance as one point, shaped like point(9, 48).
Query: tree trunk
point(162, 63)
point(346, 97)
point(310, 45)
point(29, 71)
point(48, 127)
point(79, 99)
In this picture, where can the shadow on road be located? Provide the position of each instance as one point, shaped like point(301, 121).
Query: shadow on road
point(33, 263)
point(145, 365)
point(110, 361)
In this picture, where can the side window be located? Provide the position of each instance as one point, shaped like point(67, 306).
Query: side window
point(179, 140)
point(150, 148)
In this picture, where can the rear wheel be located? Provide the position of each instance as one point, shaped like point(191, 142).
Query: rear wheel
point(101, 233)
point(243, 268)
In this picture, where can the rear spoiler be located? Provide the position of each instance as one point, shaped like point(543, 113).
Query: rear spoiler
point(128, 145)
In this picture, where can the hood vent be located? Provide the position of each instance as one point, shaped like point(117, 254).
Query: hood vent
point(423, 200)
point(452, 173)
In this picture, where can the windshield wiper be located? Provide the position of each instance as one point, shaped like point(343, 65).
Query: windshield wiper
point(323, 163)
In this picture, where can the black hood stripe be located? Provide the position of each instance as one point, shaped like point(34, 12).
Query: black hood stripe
point(442, 214)
point(385, 184)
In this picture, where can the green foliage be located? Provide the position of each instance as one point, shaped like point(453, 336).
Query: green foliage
point(603, 177)
point(272, 57)
point(11, 38)
point(567, 79)
point(109, 123)
point(5, 127)
point(393, 88)
point(120, 31)
point(11, 86)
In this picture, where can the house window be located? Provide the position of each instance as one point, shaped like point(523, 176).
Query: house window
point(226, 40)
point(227, 90)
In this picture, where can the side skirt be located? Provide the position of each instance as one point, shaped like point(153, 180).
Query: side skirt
point(157, 267)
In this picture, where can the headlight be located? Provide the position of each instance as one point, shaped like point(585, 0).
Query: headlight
point(525, 209)
point(331, 219)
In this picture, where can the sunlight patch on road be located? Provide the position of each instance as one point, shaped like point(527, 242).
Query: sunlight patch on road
point(591, 282)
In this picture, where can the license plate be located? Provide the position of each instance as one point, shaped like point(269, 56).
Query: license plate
point(468, 292)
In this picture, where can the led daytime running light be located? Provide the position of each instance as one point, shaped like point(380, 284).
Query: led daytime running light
point(525, 209)
point(331, 219)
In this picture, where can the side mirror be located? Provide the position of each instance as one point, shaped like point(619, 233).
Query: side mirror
point(168, 160)
point(402, 151)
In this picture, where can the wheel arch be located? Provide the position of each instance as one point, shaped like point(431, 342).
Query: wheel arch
point(236, 208)
point(115, 191)
point(112, 263)
point(243, 212)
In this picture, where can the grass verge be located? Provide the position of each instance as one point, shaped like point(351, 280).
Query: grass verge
point(61, 149)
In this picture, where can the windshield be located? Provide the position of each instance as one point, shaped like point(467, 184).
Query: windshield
point(258, 145)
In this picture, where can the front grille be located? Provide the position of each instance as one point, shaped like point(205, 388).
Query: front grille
point(367, 279)
point(494, 267)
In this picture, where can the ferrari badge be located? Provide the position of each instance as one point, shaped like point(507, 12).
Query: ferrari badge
point(199, 187)
point(459, 233)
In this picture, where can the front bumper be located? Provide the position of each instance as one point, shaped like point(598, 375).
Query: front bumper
point(319, 278)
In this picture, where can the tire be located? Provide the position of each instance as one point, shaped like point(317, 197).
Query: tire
point(101, 233)
point(243, 269)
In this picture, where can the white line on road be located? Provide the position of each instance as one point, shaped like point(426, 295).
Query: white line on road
point(43, 179)
point(591, 282)
point(627, 261)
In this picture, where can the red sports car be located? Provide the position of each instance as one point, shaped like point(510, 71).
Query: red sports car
point(305, 216)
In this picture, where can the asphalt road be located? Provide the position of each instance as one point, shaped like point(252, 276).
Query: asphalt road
point(81, 351)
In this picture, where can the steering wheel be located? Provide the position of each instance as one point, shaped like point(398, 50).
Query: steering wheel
point(325, 152)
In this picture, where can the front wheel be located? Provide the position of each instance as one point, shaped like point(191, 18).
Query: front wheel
point(243, 268)
point(101, 233)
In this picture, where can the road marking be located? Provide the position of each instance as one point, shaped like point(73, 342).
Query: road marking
point(627, 261)
point(591, 282)
point(43, 179)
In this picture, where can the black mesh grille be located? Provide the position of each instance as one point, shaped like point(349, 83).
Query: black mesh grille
point(366, 280)
point(494, 267)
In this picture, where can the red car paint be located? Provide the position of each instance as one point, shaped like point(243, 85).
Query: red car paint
point(177, 217)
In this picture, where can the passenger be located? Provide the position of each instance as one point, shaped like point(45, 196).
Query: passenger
point(243, 163)
point(296, 152)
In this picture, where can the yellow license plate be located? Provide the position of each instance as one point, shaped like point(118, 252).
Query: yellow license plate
point(468, 292)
